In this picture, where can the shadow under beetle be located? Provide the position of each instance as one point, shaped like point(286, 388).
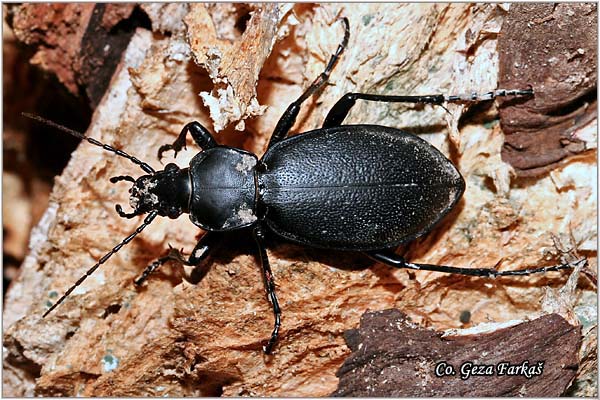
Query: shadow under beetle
point(362, 188)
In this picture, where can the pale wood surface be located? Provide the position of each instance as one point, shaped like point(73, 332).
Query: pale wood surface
point(175, 338)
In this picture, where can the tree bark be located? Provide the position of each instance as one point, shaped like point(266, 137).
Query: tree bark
point(221, 65)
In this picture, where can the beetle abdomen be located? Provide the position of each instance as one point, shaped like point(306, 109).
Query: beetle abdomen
point(360, 187)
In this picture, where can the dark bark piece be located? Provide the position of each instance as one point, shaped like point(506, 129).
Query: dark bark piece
point(396, 358)
point(552, 48)
point(55, 31)
point(80, 43)
point(106, 36)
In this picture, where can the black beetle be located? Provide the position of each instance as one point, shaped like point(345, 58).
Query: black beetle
point(317, 188)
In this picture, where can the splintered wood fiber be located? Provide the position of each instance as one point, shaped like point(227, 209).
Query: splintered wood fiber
point(235, 68)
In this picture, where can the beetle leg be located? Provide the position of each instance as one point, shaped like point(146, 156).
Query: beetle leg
point(340, 110)
point(200, 134)
point(394, 260)
point(208, 242)
point(288, 118)
point(269, 286)
point(199, 254)
point(151, 268)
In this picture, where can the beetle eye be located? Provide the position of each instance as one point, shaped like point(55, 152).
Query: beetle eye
point(171, 167)
point(173, 213)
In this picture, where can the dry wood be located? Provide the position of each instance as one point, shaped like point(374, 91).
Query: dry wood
point(392, 357)
point(175, 338)
point(553, 48)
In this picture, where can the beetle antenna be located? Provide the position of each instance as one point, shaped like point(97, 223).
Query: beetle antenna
point(148, 169)
point(118, 247)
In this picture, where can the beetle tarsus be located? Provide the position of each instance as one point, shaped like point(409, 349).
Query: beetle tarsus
point(488, 96)
point(150, 269)
point(200, 134)
point(120, 178)
point(166, 147)
point(200, 253)
point(172, 255)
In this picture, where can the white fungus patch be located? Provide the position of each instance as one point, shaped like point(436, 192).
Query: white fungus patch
point(246, 163)
point(246, 215)
point(242, 216)
point(144, 193)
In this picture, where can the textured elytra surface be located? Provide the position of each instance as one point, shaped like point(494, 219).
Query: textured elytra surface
point(174, 338)
point(320, 188)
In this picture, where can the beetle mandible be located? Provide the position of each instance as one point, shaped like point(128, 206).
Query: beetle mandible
point(315, 188)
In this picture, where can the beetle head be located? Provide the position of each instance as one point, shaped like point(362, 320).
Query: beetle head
point(167, 191)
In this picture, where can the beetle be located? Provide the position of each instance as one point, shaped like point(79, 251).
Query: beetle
point(315, 188)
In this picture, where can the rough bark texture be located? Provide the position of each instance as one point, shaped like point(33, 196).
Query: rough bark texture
point(30, 161)
point(233, 67)
point(175, 338)
point(56, 30)
point(80, 43)
point(552, 48)
point(392, 357)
